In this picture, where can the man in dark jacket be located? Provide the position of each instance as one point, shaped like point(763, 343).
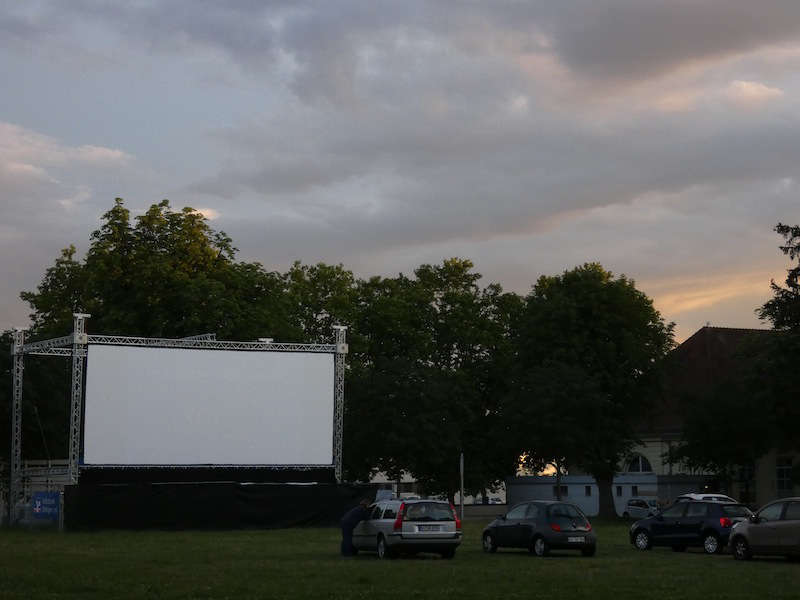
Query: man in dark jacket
point(349, 521)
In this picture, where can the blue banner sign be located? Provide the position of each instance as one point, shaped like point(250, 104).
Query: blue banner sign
point(45, 505)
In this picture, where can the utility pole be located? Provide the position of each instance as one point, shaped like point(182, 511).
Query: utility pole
point(461, 467)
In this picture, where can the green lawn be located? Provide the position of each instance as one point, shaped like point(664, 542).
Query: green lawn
point(303, 563)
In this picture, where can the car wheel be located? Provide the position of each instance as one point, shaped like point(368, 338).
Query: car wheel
point(741, 549)
point(383, 550)
point(626, 515)
point(589, 550)
point(448, 554)
point(539, 546)
point(679, 548)
point(711, 544)
point(489, 544)
point(642, 540)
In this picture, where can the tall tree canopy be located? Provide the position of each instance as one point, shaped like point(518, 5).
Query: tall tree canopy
point(587, 344)
point(428, 376)
point(783, 309)
point(781, 361)
point(166, 275)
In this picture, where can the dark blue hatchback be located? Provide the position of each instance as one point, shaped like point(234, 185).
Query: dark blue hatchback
point(704, 524)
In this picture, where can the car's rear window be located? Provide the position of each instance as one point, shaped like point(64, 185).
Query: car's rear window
point(565, 511)
point(428, 511)
point(736, 510)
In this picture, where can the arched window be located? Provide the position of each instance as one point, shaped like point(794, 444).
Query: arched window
point(639, 464)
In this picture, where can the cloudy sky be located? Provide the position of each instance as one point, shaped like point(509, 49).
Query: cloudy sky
point(659, 137)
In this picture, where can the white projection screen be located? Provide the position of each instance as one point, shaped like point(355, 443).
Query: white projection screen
point(179, 406)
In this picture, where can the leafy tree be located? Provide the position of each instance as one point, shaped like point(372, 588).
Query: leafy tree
point(783, 310)
point(45, 404)
point(60, 294)
point(468, 330)
point(385, 380)
point(713, 442)
point(781, 361)
point(319, 296)
point(587, 345)
point(428, 376)
point(167, 275)
point(549, 409)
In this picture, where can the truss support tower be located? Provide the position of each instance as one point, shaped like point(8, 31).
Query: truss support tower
point(338, 399)
point(15, 466)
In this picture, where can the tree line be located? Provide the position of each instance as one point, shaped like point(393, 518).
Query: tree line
point(439, 363)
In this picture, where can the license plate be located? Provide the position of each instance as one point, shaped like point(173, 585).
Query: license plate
point(576, 539)
point(427, 528)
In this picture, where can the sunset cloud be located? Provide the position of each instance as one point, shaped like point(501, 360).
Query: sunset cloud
point(19, 144)
point(209, 213)
point(751, 93)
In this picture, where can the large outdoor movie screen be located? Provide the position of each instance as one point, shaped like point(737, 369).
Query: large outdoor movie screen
point(177, 406)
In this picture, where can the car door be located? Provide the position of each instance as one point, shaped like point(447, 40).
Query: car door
point(638, 509)
point(533, 521)
point(365, 535)
point(666, 526)
point(386, 523)
point(763, 533)
point(788, 529)
point(508, 529)
point(359, 536)
point(690, 527)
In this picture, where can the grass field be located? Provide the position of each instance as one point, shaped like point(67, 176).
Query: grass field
point(303, 563)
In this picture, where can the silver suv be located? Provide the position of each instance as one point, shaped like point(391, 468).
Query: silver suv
point(409, 526)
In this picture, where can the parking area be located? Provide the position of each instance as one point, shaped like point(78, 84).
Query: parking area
point(304, 563)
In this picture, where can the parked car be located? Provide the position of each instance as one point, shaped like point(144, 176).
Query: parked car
point(409, 526)
point(704, 498)
point(488, 500)
point(706, 524)
point(541, 526)
point(640, 508)
point(775, 529)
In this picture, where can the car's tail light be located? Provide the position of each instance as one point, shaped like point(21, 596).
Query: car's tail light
point(555, 526)
point(588, 526)
point(725, 522)
point(398, 522)
point(455, 516)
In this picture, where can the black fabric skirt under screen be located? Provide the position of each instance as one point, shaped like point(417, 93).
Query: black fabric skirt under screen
point(208, 505)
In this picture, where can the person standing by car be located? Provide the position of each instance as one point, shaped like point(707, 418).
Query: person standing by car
point(349, 521)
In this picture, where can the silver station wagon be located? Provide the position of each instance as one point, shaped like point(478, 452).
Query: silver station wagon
point(409, 526)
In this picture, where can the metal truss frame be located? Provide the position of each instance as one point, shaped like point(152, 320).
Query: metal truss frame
point(75, 346)
point(119, 340)
point(338, 398)
point(282, 467)
point(79, 352)
point(15, 470)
